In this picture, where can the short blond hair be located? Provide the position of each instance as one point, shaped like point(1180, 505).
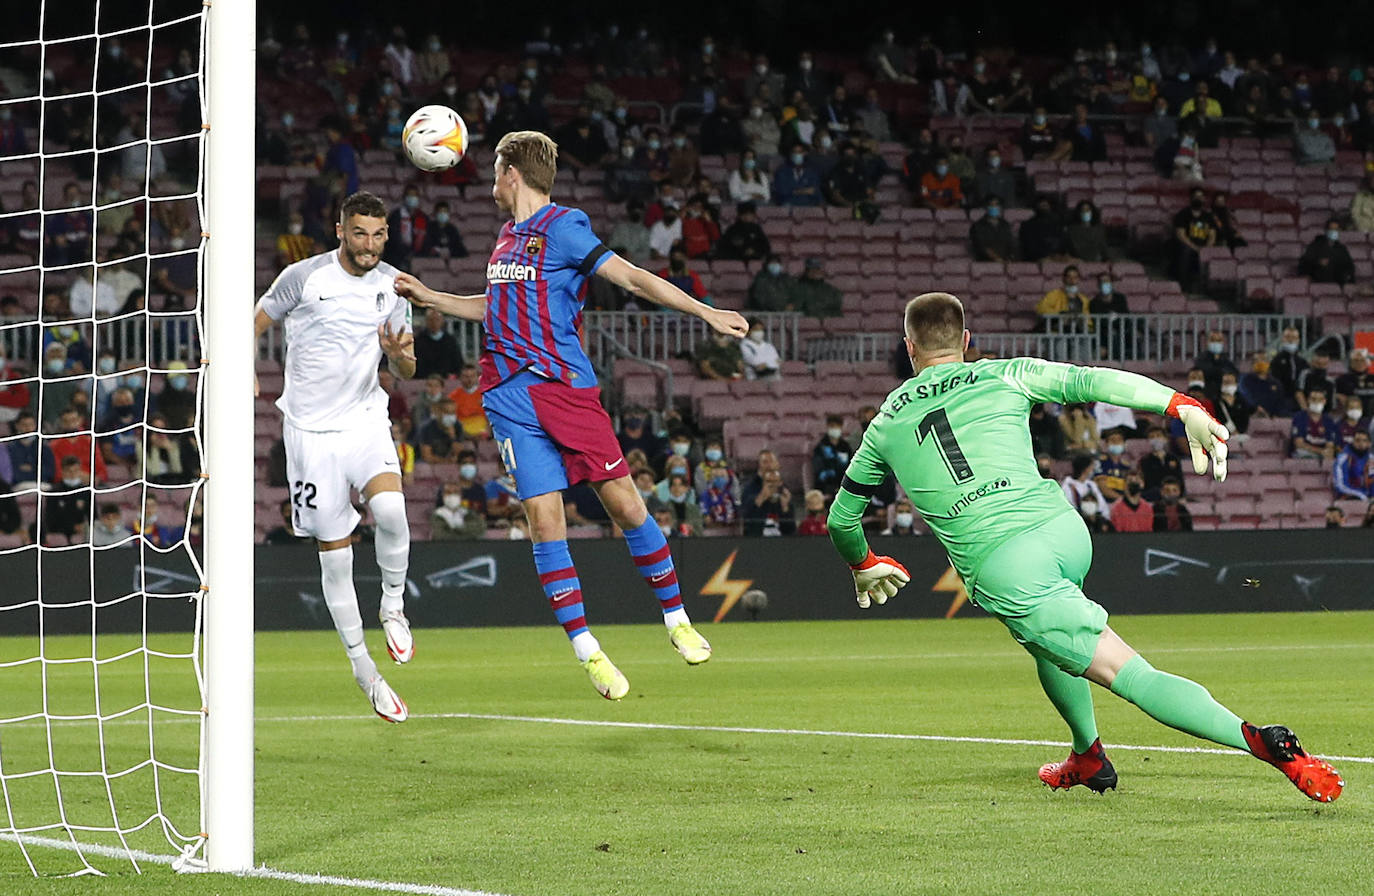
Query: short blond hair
point(935, 323)
point(533, 154)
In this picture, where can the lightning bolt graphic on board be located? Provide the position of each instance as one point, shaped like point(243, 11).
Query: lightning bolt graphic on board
point(950, 581)
point(721, 583)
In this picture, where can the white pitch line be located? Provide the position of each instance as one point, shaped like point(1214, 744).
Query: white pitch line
point(793, 732)
point(262, 871)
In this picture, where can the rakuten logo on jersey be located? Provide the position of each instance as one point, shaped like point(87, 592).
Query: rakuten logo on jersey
point(510, 272)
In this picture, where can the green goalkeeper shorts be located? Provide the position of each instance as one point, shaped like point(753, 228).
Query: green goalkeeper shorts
point(1034, 584)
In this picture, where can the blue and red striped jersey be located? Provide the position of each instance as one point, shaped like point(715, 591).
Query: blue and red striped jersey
point(536, 282)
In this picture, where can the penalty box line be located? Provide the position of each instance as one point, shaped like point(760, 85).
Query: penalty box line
point(796, 732)
point(261, 871)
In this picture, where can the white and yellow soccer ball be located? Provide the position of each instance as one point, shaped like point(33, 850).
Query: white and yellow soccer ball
point(435, 138)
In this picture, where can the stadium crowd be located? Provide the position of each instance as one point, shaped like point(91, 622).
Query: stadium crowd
point(806, 134)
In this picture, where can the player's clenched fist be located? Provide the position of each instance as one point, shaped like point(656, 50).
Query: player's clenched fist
point(731, 322)
point(876, 578)
point(409, 287)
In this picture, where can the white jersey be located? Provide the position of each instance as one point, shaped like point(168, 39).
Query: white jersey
point(332, 349)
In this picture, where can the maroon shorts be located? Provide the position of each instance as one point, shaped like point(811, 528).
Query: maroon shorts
point(552, 435)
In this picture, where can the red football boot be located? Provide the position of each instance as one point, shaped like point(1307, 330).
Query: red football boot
point(1279, 747)
point(1092, 769)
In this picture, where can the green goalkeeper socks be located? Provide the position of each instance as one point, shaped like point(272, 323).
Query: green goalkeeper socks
point(1178, 703)
point(1073, 697)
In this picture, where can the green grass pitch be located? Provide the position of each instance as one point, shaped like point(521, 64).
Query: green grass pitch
point(535, 807)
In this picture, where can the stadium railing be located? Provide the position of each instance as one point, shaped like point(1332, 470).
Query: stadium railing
point(1165, 339)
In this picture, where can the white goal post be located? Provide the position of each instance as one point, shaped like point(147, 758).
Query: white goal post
point(227, 756)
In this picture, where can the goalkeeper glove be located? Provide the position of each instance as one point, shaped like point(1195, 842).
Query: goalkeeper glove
point(1206, 436)
point(877, 578)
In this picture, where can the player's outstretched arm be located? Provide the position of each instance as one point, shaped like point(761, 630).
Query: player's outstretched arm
point(1069, 384)
point(639, 282)
point(409, 287)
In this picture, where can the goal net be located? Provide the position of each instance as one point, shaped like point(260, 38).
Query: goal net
point(105, 465)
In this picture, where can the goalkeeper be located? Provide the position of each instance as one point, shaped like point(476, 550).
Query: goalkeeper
point(956, 437)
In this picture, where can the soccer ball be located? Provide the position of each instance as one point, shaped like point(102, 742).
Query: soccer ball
point(435, 138)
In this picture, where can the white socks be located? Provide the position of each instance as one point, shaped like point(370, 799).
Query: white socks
point(584, 644)
point(673, 618)
point(393, 546)
point(336, 577)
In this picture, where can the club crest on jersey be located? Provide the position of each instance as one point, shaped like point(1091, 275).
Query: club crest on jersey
point(381, 300)
point(534, 245)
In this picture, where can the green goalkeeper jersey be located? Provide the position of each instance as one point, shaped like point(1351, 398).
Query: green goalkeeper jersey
point(957, 438)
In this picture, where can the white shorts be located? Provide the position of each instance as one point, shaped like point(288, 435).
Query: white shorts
point(322, 469)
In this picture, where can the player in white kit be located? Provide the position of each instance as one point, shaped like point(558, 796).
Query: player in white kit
point(341, 313)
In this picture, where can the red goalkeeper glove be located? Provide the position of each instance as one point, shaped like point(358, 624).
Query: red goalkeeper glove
point(1206, 436)
point(877, 578)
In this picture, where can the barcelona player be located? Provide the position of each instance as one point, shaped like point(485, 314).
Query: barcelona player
point(540, 392)
point(955, 435)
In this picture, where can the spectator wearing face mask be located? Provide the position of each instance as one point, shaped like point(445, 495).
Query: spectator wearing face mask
point(666, 232)
point(1112, 466)
point(1094, 516)
point(636, 433)
point(177, 400)
point(1079, 486)
point(1352, 474)
point(1314, 433)
point(1159, 464)
point(442, 239)
point(1315, 377)
point(700, 232)
point(1326, 259)
point(762, 133)
point(771, 288)
point(440, 439)
point(991, 237)
point(1233, 409)
point(1171, 515)
point(683, 277)
point(1132, 513)
point(796, 182)
point(1065, 307)
point(1312, 145)
point(1214, 362)
point(747, 183)
point(1110, 300)
point(678, 461)
point(718, 493)
point(903, 519)
point(761, 359)
point(831, 456)
point(407, 226)
point(1288, 363)
point(1194, 230)
point(461, 513)
point(994, 180)
point(1358, 380)
point(1086, 236)
point(294, 244)
point(940, 187)
point(680, 501)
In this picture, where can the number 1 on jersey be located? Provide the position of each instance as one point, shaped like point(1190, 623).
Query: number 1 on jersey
point(938, 422)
